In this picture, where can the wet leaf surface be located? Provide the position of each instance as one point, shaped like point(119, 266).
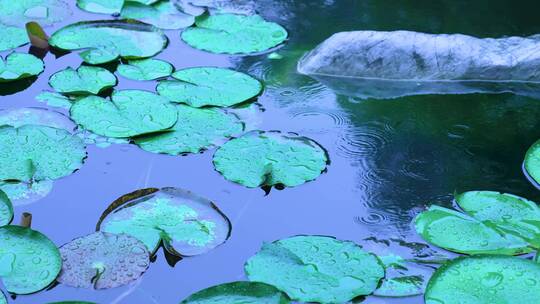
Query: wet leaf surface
point(12, 37)
point(101, 6)
point(145, 69)
point(84, 80)
point(45, 12)
point(26, 193)
point(3, 299)
point(402, 278)
point(17, 66)
point(532, 162)
point(238, 292)
point(18, 117)
point(162, 14)
point(54, 99)
point(6, 210)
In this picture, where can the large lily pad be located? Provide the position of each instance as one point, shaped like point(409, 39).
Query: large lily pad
point(162, 14)
point(38, 153)
point(145, 69)
point(45, 12)
point(18, 117)
point(238, 292)
point(186, 224)
point(12, 37)
point(29, 261)
point(207, 86)
point(26, 193)
point(196, 129)
point(461, 233)
point(103, 260)
point(84, 80)
point(485, 280)
point(316, 269)
point(105, 41)
point(532, 162)
point(6, 209)
point(128, 113)
point(270, 158)
point(18, 66)
point(234, 34)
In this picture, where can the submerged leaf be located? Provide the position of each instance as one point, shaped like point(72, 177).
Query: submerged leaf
point(36, 34)
point(85, 80)
point(103, 260)
point(316, 269)
point(18, 66)
point(234, 34)
point(128, 113)
point(29, 261)
point(6, 209)
point(12, 37)
point(101, 6)
point(186, 224)
point(19, 117)
point(54, 99)
point(145, 69)
point(270, 158)
point(162, 14)
point(532, 162)
point(207, 86)
point(44, 12)
point(402, 279)
point(26, 193)
point(238, 292)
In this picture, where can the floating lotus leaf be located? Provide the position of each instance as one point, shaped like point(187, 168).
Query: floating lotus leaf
point(26, 193)
point(18, 66)
point(238, 292)
point(103, 260)
point(101, 6)
point(128, 113)
point(532, 162)
point(199, 87)
point(234, 34)
point(186, 224)
point(162, 14)
point(53, 99)
point(3, 299)
point(316, 269)
point(196, 129)
point(145, 69)
point(38, 153)
point(400, 279)
point(45, 12)
point(19, 117)
point(461, 233)
point(29, 261)
point(6, 209)
point(84, 80)
point(105, 41)
point(12, 37)
point(485, 280)
point(270, 158)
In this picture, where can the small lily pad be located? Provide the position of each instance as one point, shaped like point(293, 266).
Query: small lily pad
point(128, 113)
point(83, 81)
point(532, 162)
point(12, 37)
point(54, 99)
point(6, 209)
point(207, 86)
point(234, 34)
point(38, 153)
point(162, 14)
point(18, 66)
point(270, 158)
point(29, 260)
point(45, 12)
point(26, 193)
point(196, 130)
point(316, 269)
point(19, 117)
point(107, 40)
point(485, 280)
point(145, 69)
point(186, 224)
point(103, 260)
point(101, 6)
point(238, 292)
point(400, 279)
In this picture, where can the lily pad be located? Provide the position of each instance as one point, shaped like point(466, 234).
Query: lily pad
point(18, 66)
point(101, 6)
point(207, 86)
point(532, 162)
point(485, 280)
point(29, 260)
point(316, 269)
point(103, 260)
point(162, 14)
point(38, 153)
point(145, 69)
point(128, 113)
point(107, 40)
point(83, 81)
point(54, 99)
point(6, 209)
point(26, 193)
point(238, 292)
point(45, 12)
point(186, 224)
point(12, 37)
point(19, 117)
point(196, 130)
point(234, 34)
point(3, 299)
point(461, 233)
point(402, 278)
point(270, 158)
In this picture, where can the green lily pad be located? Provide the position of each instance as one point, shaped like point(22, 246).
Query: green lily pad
point(206, 86)
point(162, 14)
point(234, 34)
point(6, 209)
point(316, 269)
point(54, 99)
point(38, 153)
point(461, 233)
point(129, 113)
point(145, 69)
point(26, 193)
point(107, 40)
point(186, 224)
point(18, 66)
point(3, 299)
point(29, 261)
point(270, 158)
point(12, 37)
point(238, 292)
point(401, 279)
point(103, 260)
point(101, 6)
point(532, 162)
point(196, 130)
point(85, 80)
point(19, 117)
point(45, 12)
point(485, 280)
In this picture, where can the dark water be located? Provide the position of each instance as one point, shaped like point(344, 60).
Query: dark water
point(390, 158)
